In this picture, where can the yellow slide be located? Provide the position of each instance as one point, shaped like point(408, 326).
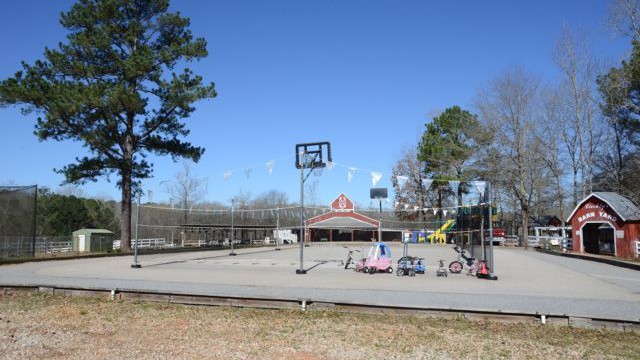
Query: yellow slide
point(440, 236)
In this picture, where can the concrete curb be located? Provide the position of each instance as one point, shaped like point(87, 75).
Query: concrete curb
point(614, 262)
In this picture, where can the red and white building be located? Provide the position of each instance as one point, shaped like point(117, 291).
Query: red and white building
point(606, 223)
point(342, 223)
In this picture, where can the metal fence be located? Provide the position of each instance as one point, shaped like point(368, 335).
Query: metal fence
point(28, 246)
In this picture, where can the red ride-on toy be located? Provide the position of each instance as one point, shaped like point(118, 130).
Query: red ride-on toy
point(378, 260)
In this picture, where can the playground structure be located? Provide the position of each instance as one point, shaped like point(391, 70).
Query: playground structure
point(440, 236)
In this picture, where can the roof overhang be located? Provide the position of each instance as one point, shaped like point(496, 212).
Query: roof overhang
point(342, 222)
point(599, 198)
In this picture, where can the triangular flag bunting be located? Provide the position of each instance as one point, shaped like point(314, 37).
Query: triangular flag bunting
point(350, 172)
point(402, 180)
point(227, 175)
point(427, 183)
point(481, 186)
point(444, 212)
point(247, 172)
point(454, 184)
point(330, 165)
point(270, 166)
point(375, 177)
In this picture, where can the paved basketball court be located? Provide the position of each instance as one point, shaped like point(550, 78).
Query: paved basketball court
point(528, 281)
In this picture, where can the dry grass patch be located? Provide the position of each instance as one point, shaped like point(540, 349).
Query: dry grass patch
point(42, 326)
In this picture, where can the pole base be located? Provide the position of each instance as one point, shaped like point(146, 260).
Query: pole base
point(306, 245)
point(492, 277)
point(277, 249)
point(232, 254)
point(136, 266)
point(301, 272)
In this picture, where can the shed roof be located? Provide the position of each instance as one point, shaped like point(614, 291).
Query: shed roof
point(624, 207)
point(93, 231)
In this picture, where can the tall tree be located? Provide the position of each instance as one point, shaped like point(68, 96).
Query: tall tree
point(509, 108)
point(573, 58)
point(624, 18)
point(114, 87)
point(449, 144)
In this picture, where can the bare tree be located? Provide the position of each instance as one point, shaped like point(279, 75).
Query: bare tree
point(509, 108)
point(271, 199)
point(554, 123)
point(624, 18)
point(574, 59)
point(187, 189)
point(411, 190)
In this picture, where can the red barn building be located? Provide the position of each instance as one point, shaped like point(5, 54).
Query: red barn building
point(341, 224)
point(606, 223)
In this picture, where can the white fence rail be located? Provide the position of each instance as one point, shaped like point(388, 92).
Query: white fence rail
point(145, 243)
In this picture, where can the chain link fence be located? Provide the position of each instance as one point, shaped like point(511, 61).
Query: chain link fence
point(18, 220)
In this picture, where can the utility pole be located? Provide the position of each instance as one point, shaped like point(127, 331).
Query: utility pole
point(277, 237)
point(231, 236)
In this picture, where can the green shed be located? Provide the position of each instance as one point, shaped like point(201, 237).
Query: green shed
point(93, 240)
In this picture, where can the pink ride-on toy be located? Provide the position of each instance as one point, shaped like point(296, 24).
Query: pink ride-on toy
point(378, 260)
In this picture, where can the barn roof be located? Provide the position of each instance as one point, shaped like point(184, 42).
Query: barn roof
point(343, 222)
point(624, 207)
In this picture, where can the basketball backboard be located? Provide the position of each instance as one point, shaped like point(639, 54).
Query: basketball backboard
point(313, 155)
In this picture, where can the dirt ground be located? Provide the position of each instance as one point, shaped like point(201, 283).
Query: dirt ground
point(56, 327)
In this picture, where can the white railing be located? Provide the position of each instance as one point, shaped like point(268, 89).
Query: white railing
point(145, 243)
point(55, 247)
point(549, 242)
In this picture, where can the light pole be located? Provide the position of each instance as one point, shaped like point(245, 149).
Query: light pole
point(136, 264)
point(379, 194)
point(492, 270)
point(277, 237)
point(231, 235)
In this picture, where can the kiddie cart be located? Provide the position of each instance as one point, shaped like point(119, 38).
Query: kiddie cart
point(378, 260)
point(410, 265)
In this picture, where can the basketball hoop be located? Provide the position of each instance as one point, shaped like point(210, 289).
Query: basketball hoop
point(312, 156)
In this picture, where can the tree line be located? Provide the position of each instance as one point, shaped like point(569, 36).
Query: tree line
point(542, 146)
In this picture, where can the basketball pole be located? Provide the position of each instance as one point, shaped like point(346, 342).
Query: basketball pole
point(301, 270)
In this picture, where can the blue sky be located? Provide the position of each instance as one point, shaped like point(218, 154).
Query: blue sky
point(365, 75)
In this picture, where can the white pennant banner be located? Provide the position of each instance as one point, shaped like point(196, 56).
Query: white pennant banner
point(402, 180)
point(406, 206)
point(270, 166)
point(444, 212)
point(435, 211)
point(350, 172)
point(330, 165)
point(481, 186)
point(427, 183)
point(375, 177)
point(227, 175)
point(454, 184)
